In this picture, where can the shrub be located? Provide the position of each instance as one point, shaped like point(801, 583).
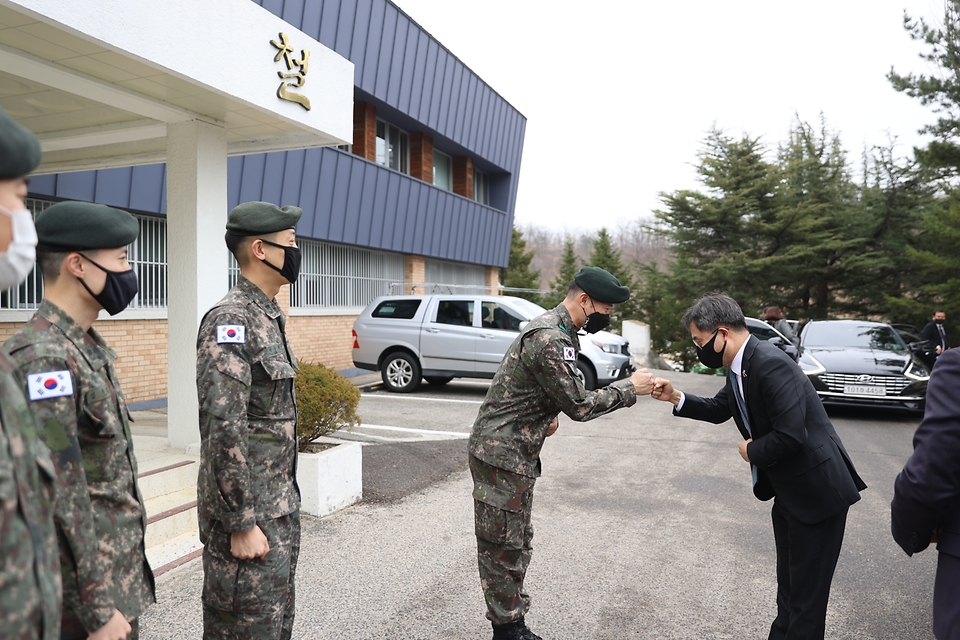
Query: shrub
point(326, 402)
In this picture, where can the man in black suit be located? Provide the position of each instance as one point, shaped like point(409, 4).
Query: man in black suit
point(795, 456)
point(926, 494)
point(935, 333)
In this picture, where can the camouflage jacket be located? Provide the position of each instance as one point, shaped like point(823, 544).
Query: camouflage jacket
point(248, 413)
point(29, 562)
point(536, 381)
point(75, 397)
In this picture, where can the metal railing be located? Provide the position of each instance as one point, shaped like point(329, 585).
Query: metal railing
point(339, 276)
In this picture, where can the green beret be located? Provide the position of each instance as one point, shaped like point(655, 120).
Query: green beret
point(254, 218)
point(75, 226)
point(601, 285)
point(19, 149)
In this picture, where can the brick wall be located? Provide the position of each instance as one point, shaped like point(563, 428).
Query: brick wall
point(141, 347)
point(365, 130)
point(414, 272)
point(493, 280)
point(421, 158)
point(463, 176)
point(323, 339)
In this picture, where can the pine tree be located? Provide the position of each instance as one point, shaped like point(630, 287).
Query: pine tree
point(518, 273)
point(606, 256)
point(940, 89)
point(567, 270)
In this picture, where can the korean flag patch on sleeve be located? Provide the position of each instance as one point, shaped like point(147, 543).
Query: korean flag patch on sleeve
point(227, 333)
point(50, 384)
point(569, 354)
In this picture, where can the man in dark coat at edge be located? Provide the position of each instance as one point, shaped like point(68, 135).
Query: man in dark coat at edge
point(795, 456)
point(926, 494)
point(935, 333)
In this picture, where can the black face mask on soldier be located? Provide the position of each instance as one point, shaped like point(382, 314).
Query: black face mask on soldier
point(708, 357)
point(119, 289)
point(596, 321)
point(291, 261)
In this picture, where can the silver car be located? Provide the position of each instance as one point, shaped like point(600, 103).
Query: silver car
point(441, 337)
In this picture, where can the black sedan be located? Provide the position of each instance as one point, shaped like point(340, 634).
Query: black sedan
point(866, 364)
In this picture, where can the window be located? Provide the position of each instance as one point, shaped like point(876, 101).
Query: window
point(481, 187)
point(496, 317)
point(454, 277)
point(399, 309)
point(442, 170)
point(338, 276)
point(393, 147)
point(456, 312)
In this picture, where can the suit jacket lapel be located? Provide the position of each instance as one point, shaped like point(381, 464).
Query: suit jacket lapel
point(748, 380)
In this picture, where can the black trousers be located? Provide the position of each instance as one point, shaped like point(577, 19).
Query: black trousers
point(946, 603)
point(806, 559)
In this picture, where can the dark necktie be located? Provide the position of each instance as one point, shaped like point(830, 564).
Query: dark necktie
point(943, 336)
point(742, 406)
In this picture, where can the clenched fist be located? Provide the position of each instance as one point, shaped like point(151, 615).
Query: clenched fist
point(642, 381)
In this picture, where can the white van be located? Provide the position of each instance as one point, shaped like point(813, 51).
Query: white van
point(441, 337)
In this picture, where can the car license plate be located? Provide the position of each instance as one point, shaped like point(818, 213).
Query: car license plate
point(865, 389)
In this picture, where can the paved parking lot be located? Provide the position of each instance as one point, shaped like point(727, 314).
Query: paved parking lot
point(645, 528)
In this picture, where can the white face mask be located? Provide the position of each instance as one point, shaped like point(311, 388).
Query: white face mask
point(17, 262)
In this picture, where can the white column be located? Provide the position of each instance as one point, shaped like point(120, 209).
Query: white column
point(197, 260)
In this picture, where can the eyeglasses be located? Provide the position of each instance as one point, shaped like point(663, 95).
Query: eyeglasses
point(700, 346)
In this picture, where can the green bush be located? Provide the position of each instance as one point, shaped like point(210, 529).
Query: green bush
point(326, 402)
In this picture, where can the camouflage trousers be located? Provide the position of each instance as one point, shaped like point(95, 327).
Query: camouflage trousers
point(250, 599)
point(502, 504)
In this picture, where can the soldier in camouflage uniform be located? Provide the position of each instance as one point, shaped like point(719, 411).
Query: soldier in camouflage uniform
point(249, 502)
point(536, 381)
point(29, 562)
point(76, 398)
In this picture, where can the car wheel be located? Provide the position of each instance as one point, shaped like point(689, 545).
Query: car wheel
point(438, 381)
point(400, 372)
point(587, 375)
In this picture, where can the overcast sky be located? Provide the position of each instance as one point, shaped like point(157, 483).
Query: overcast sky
point(619, 94)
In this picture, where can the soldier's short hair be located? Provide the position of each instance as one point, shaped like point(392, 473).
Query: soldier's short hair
point(712, 311)
point(574, 290)
point(50, 263)
point(237, 244)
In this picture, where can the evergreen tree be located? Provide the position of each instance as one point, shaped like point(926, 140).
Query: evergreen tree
point(819, 223)
point(940, 89)
point(935, 250)
point(518, 273)
point(606, 256)
point(568, 269)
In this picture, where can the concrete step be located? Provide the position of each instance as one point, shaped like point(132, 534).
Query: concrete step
point(173, 474)
point(174, 553)
point(171, 515)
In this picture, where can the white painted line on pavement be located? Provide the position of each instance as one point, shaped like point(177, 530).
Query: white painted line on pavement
point(398, 397)
point(459, 434)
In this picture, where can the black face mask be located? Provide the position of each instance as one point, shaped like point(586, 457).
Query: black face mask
point(939, 320)
point(291, 261)
point(119, 289)
point(710, 358)
point(596, 321)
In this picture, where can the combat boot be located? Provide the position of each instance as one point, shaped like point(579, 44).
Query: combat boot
point(514, 631)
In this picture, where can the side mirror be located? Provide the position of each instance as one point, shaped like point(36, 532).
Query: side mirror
point(777, 340)
point(523, 325)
